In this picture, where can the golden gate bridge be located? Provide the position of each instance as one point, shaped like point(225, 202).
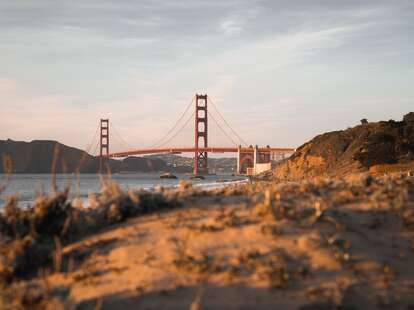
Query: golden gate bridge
point(250, 159)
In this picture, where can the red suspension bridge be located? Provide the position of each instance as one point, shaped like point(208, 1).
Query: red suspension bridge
point(250, 160)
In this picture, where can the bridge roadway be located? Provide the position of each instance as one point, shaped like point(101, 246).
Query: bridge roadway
point(179, 150)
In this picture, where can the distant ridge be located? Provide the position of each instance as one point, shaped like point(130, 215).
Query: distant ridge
point(37, 157)
point(375, 147)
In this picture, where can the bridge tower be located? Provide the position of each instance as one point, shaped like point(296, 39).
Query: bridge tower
point(201, 123)
point(103, 143)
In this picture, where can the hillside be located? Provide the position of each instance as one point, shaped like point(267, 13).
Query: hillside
point(374, 147)
point(216, 165)
point(37, 157)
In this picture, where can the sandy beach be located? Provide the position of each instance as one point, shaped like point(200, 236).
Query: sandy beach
point(322, 244)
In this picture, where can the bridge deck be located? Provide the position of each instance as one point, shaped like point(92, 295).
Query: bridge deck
point(201, 149)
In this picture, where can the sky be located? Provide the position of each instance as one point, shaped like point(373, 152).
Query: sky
point(280, 72)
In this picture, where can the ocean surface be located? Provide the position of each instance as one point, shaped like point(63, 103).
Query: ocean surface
point(28, 186)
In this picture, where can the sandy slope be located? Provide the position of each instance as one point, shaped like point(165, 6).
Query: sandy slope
point(319, 245)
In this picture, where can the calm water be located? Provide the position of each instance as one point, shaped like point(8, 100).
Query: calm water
point(27, 186)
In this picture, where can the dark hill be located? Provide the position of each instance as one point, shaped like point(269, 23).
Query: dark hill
point(37, 157)
point(374, 147)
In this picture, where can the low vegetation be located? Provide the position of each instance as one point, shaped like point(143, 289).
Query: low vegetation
point(376, 147)
point(302, 233)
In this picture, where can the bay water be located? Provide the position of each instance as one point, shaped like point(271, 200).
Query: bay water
point(28, 186)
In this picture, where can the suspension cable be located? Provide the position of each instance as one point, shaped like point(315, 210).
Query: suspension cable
point(119, 137)
point(95, 149)
point(228, 125)
point(182, 127)
point(90, 144)
point(159, 142)
point(221, 128)
point(87, 149)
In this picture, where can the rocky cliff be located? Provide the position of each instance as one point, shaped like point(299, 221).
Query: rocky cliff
point(375, 147)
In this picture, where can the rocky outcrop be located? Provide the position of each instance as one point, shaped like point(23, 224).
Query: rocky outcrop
point(366, 147)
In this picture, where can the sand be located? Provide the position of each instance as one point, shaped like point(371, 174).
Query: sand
point(332, 227)
point(322, 244)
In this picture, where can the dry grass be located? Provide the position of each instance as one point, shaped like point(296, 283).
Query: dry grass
point(32, 239)
point(319, 240)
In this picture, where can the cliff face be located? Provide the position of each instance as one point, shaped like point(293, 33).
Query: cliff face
point(374, 147)
point(37, 157)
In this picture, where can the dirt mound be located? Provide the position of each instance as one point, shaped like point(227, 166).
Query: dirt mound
point(374, 147)
point(30, 238)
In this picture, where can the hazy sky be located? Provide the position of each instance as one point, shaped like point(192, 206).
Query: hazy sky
point(279, 71)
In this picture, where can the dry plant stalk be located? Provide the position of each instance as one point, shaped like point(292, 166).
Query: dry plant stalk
point(78, 182)
point(66, 170)
point(57, 257)
point(99, 303)
point(7, 168)
point(196, 304)
point(108, 169)
point(53, 172)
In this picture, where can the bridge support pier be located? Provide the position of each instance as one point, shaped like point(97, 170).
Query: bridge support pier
point(201, 125)
point(252, 161)
point(245, 159)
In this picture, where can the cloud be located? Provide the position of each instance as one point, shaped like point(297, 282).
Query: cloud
point(231, 27)
point(139, 62)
